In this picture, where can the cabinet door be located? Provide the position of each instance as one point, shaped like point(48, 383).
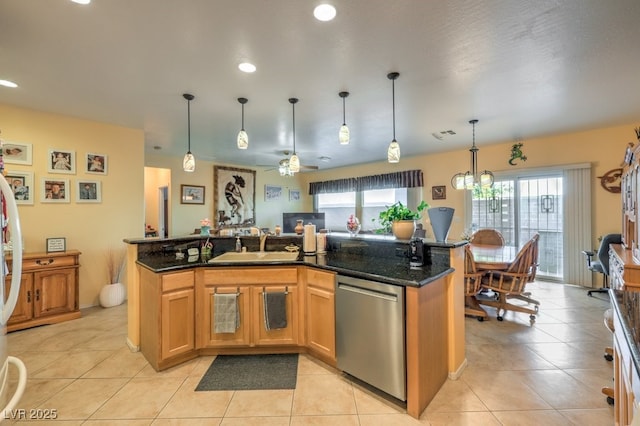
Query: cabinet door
point(55, 292)
point(24, 307)
point(178, 323)
point(242, 336)
point(281, 336)
point(321, 321)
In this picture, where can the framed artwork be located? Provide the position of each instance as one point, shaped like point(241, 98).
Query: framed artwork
point(234, 196)
point(191, 194)
point(88, 191)
point(22, 186)
point(56, 244)
point(17, 153)
point(294, 195)
point(54, 190)
point(96, 164)
point(272, 193)
point(61, 161)
point(439, 192)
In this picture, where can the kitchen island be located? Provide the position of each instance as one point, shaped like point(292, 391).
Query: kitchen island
point(434, 302)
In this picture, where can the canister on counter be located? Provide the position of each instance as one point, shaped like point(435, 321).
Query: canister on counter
point(321, 241)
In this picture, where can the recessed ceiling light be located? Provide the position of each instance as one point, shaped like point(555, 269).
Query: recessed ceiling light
point(7, 83)
point(324, 12)
point(247, 67)
point(81, 1)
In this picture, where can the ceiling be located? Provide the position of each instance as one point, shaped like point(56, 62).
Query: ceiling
point(523, 68)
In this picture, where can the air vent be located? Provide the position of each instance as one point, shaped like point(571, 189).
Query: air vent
point(440, 135)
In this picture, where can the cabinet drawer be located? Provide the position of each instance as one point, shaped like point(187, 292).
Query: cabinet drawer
point(43, 262)
point(321, 279)
point(234, 276)
point(178, 280)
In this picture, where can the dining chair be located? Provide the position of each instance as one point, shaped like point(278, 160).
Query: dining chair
point(526, 295)
point(511, 283)
point(487, 236)
point(472, 282)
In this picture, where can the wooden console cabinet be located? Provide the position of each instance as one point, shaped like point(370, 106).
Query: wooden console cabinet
point(48, 291)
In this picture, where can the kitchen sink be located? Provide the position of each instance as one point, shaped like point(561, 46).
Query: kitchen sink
point(255, 256)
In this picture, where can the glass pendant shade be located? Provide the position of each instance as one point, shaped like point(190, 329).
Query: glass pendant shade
point(243, 140)
point(343, 135)
point(294, 164)
point(393, 153)
point(458, 181)
point(189, 162)
point(486, 179)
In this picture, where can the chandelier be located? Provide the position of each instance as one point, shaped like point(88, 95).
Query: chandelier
point(473, 178)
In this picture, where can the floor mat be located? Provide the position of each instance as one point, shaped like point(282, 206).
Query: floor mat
point(251, 372)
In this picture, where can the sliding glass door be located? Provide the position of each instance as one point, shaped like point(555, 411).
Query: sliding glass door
point(519, 207)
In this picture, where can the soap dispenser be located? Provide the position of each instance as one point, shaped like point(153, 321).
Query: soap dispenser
point(238, 244)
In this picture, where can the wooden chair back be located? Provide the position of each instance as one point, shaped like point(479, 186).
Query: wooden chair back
point(490, 237)
point(513, 280)
point(472, 278)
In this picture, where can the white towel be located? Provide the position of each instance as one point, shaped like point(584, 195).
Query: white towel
point(226, 315)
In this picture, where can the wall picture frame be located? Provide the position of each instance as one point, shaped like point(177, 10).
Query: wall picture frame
point(234, 196)
point(191, 194)
point(58, 244)
point(61, 161)
point(272, 193)
point(294, 195)
point(95, 163)
point(54, 190)
point(17, 153)
point(439, 192)
point(21, 184)
point(88, 191)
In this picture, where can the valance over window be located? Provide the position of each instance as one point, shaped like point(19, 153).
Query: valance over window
point(405, 179)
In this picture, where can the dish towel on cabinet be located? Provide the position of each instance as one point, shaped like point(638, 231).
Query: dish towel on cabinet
point(226, 316)
point(275, 309)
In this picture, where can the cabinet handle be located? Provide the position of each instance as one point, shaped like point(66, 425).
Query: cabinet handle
point(29, 296)
point(37, 295)
point(41, 263)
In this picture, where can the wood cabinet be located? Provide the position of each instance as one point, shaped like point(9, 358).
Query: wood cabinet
point(167, 317)
point(49, 289)
point(320, 314)
point(249, 283)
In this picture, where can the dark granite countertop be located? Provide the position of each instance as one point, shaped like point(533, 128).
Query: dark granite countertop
point(626, 305)
point(353, 257)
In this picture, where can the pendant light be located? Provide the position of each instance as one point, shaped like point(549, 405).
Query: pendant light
point(343, 135)
point(189, 162)
point(243, 138)
point(393, 152)
point(294, 161)
point(472, 178)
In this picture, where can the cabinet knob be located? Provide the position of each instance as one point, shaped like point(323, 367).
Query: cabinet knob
point(29, 296)
point(37, 295)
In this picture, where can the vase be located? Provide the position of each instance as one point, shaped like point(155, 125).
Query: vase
point(204, 230)
point(299, 229)
point(353, 226)
point(403, 229)
point(112, 295)
point(440, 218)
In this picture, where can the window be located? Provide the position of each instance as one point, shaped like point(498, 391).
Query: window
point(336, 208)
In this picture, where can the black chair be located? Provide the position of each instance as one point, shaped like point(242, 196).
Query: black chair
point(602, 264)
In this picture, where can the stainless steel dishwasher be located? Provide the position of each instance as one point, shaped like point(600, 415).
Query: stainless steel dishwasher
point(370, 341)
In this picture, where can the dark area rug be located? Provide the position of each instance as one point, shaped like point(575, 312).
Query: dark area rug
point(251, 372)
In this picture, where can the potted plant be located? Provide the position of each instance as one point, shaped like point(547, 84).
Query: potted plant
point(113, 293)
point(400, 219)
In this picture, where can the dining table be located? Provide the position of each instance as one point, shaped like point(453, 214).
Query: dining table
point(493, 258)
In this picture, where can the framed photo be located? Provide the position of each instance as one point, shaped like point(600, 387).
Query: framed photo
point(61, 161)
point(272, 193)
point(234, 196)
point(54, 190)
point(17, 153)
point(294, 195)
point(96, 164)
point(56, 244)
point(88, 191)
point(191, 194)
point(22, 186)
point(439, 192)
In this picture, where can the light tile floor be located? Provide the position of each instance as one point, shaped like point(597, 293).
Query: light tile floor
point(548, 373)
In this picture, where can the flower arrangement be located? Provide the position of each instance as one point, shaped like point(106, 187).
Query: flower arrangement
point(205, 222)
point(353, 225)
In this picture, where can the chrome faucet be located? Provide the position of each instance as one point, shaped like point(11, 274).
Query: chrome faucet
point(263, 241)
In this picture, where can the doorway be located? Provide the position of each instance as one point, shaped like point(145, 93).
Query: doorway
point(163, 211)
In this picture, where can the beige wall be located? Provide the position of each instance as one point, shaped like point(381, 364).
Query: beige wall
point(91, 228)
point(603, 148)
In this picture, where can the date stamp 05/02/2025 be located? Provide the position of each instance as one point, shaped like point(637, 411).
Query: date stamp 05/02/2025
point(31, 414)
